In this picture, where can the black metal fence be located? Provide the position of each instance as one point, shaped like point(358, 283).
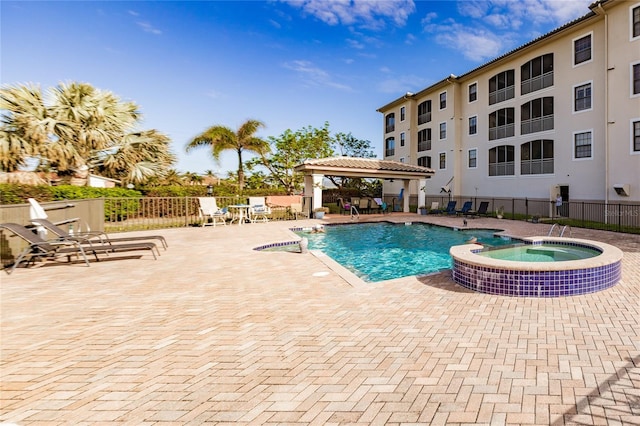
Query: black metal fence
point(621, 217)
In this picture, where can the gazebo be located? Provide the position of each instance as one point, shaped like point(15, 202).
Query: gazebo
point(315, 171)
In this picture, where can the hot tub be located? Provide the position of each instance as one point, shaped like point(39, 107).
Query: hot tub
point(540, 267)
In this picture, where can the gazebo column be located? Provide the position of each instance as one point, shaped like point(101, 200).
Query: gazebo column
point(422, 194)
point(313, 188)
point(405, 196)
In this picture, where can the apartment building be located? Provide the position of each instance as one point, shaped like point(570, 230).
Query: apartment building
point(558, 115)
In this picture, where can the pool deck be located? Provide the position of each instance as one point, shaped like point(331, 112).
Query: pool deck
point(214, 332)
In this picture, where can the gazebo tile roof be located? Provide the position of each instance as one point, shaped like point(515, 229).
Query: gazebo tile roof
point(368, 164)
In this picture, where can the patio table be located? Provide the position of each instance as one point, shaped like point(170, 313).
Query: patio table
point(240, 212)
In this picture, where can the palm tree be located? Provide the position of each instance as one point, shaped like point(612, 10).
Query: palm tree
point(83, 127)
point(222, 138)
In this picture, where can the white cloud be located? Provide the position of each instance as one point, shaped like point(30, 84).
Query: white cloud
point(512, 14)
point(371, 14)
point(355, 44)
point(314, 76)
point(147, 27)
point(474, 44)
point(399, 83)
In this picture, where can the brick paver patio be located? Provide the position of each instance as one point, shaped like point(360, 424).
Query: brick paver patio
point(216, 333)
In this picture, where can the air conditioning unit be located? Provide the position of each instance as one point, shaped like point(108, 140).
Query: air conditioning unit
point(622, 189)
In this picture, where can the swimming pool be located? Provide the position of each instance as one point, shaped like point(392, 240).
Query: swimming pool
point(383, 251)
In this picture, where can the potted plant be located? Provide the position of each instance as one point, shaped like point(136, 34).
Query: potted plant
point(422, 210)
point(500, 212)
point(319, 212)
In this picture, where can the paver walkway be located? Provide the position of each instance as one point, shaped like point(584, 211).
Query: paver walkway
point(216, 333)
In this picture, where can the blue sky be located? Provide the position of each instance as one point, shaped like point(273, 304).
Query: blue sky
point(291, 64)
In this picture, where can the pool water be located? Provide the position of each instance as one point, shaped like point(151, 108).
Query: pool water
point(383, 251)
point(541, 253)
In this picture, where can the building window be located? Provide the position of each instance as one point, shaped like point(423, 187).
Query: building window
point(402, 112)
point(443, 131)
point(536, 115)
point(473, 158)
point(582, 145)
point(473, 92)
point(424, 140)
point(424, 112)
point(635, 128)
point(635, 22)
point(443, 160)
point(443, 100)
point(424, 161)
point(502, 87)
point(473, 125)
point(402, 139)
point(536, 157)
point(582, 49)
point(635, 79)
point(390, 147)
point(501, 161)
point(390, 123)
point(501, 123)
point(582, 97)
point(536, 74)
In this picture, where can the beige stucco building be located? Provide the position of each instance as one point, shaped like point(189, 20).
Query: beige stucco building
point(560, 114)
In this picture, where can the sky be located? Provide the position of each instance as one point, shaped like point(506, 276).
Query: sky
point(190, 65)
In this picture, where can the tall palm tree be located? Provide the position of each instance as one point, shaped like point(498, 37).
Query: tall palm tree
point(222, 138)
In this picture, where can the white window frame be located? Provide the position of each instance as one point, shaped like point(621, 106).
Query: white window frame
point(631, 37)
point(631, 121)
point(440, 138)
point(573, 145)
point(468, 126)
point(445, 160)
point(573, 97)
point(573, 50)
point(477, 91)
point(468, 152)
point(631, 94)
point(446, 100)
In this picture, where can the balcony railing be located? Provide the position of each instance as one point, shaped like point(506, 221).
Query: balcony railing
point(390, 128)
point(500, 132)
point(501, 95)
point(424, 118)
point(502, 169)
point(536, 83)
point(536, 167)
point(539, 124)
point(389, 152)
point(424, 146)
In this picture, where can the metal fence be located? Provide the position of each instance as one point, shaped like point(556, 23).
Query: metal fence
point(620, 217)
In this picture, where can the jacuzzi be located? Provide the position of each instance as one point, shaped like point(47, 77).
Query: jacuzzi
point(539, 267)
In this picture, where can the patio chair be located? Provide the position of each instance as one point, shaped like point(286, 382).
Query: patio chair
point(36, 211)
point(482, 210)
point(39, 248)
point(209, 210)
point(451, 207)
point(258, 210)
point(465, 208)
point(435, 208)
point(93, 236)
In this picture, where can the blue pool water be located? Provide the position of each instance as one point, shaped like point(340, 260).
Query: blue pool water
point(383, 251)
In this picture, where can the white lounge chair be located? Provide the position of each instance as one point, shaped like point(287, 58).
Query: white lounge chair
point(209, 210)
point(258, 210)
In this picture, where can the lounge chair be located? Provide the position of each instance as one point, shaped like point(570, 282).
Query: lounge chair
point(465, 208)
point(39, 248)
point(258, 210)
point(297, 210)
point(36, 211)
point(93, 236)
point(482, 210)
point(435, 208)
point(209, 210)
point(451, 207)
